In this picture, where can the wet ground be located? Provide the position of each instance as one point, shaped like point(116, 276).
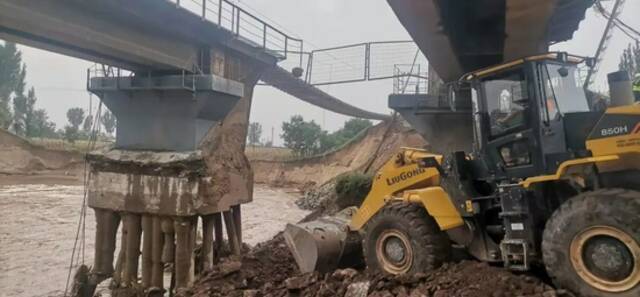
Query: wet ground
point(38, 228)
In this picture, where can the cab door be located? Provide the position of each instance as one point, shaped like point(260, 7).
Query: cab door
point(511, 141)
point(552, 133)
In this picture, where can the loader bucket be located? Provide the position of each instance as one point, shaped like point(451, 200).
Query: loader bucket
point(324, 244)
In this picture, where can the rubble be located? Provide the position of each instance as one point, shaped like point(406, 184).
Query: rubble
point(269, 270)
point(316, 197)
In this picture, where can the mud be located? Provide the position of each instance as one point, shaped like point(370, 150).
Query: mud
point(18, 156)
point(269, 270)
point(38, 227)
point(366, 153)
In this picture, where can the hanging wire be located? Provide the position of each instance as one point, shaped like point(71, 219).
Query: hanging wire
point(621, 25)
point(78, 252)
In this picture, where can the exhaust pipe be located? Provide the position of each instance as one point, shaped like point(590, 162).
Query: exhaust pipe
point(620, 88)
point(325, 244)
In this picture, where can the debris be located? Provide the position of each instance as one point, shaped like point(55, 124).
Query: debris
point(269, 270)
point(230, 266)
point(359, 289)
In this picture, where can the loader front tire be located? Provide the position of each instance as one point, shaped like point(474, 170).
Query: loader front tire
point(591, 244)
point(403, 239)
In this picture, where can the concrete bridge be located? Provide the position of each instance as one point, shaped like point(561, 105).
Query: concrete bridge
point(163, 37)
point(460, 36)
point(180, 81)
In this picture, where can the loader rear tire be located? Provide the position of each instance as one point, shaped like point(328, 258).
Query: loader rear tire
point(591, 244)
point(403, 239)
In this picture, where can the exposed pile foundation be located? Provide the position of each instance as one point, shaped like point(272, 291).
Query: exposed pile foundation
point(177, 170)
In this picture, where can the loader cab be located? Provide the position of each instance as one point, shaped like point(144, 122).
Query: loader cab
point(530, 115)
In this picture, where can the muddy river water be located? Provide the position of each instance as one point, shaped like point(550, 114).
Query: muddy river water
point(38, 230)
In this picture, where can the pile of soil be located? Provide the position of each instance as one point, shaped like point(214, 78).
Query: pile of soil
point(269, 270)
point(18, 156)
point(366, 154)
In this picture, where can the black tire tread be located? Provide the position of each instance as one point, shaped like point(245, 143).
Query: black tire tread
point(611, 206)
point(432, 248)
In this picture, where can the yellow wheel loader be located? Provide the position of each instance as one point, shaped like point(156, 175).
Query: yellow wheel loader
point(528, 174)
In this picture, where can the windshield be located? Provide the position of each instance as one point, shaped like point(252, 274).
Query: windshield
point(567, 90)
point(506, 101)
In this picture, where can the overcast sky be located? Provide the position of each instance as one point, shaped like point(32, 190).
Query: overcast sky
point(60, 81)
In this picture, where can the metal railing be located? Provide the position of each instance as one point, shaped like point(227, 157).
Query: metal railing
point(245, 26)
point(360, 62)
point(114, 78)
point(410, 79)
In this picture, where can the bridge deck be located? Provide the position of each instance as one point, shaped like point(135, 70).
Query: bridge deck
point(459, 36)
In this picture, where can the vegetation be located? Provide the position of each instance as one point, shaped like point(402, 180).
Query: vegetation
point(254, 134)
point(308, 138)
point(630, 59)
point(109, 122)
point(18, 112)
point(300, 136)
point(352, 188)
point(75, 117)
point(11, 72)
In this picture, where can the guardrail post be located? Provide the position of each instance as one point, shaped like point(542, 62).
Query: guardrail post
point(301, 51)
point(238, 21)
point(367, 61)
point(204, 9)
point(309, 68)
point(286, 46)
point(220, 13)
point(264, 37)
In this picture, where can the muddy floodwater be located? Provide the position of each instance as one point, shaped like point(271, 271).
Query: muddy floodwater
point(38, 229)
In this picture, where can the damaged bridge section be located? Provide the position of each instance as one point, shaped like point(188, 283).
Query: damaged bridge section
point(177, 168)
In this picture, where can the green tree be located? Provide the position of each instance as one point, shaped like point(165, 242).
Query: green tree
point(303, 138)
point(254, 133)
point(109, 122)
point(87, 124)
point(630, 59)
point(20, 104)
point(329, 141)
point(354, 126)
point(32, 128)
point(75, 116)
point(10, 74)
point(42, 127)
point(351, 128)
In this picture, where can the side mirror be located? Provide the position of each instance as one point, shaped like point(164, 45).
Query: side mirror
point(563, 71)
point(452, 97)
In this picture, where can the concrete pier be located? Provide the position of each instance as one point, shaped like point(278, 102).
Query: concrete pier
point(178, 160)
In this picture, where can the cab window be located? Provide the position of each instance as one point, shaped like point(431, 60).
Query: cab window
point(563, 83)
point(507, 102)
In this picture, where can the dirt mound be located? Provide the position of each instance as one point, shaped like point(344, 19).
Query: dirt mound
point(366, 153)
point(18, 156)
point(269, 270)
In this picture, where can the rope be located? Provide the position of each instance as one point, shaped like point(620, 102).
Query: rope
point(80, 238)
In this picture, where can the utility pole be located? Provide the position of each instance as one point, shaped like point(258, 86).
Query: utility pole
point(604, 41)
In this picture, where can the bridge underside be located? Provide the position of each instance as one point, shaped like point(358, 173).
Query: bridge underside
point(459, 36)
point(134, 35)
